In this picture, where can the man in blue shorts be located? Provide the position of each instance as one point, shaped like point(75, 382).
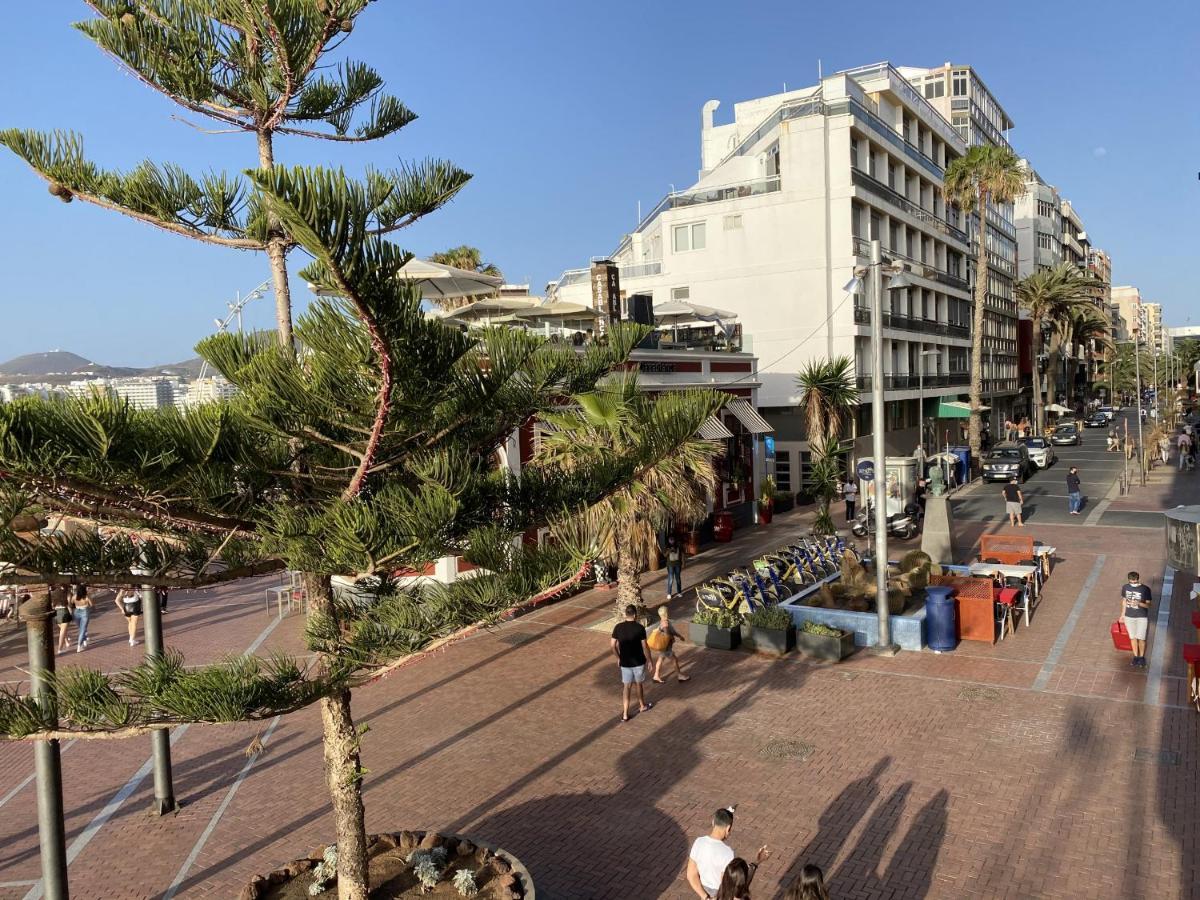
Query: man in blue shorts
point(632, 652)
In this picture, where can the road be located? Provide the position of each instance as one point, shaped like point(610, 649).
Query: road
point(1046, 491)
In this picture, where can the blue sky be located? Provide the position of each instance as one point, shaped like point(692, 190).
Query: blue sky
point(568, 114)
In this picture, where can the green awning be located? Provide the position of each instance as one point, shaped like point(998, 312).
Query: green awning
point(951, 408)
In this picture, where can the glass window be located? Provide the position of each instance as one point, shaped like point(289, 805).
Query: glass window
point(698, 236)
point(680, 293)
point(783, 471)
point(688, 237)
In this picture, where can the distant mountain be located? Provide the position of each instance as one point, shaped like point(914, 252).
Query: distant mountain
point(61, 366)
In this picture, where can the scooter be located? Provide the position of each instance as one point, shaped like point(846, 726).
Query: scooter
point(904, 525)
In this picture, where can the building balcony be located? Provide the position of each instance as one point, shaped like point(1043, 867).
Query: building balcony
point(909, 382)
point(862, 247)
point(677, 199)
point(880, 190)
point(901, 322)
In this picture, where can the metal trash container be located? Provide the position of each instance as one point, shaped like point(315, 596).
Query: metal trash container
point(941, 618)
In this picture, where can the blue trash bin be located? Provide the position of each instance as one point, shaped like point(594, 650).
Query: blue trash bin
point(941, 618)
point(962, 471)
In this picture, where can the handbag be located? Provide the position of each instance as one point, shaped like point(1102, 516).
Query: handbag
point(658, 640)
point(1120, 636)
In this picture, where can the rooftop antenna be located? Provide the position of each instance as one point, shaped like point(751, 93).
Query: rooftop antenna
point(235, 308)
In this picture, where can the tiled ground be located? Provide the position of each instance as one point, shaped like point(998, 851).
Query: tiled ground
point(998, 772)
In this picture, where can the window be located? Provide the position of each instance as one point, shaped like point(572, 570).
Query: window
point(891, 175)
point(680, 293)
point(733, 223)
point(854, 152)
point(960, 84)
point(688, 237)
point(935, 87)
point(783, 471)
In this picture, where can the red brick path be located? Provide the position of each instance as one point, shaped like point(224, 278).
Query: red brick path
point(939, 776)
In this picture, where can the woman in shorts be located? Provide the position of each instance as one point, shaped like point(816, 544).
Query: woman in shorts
point(64, 615)
point(129, 602)
point(662, 641)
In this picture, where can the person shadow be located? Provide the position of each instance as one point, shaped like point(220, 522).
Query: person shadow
point(571, 839)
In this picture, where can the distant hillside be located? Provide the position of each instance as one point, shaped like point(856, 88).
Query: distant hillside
point(62, 366)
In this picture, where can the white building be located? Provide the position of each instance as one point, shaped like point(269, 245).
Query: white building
point(789, 196)
point(205, 390)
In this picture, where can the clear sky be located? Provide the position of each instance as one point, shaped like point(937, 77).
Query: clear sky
point(568, 114)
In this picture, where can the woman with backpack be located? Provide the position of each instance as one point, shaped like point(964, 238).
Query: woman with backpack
point(662, 641)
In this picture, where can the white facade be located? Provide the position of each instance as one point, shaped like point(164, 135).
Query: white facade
point(790, 194)
point(205, 390)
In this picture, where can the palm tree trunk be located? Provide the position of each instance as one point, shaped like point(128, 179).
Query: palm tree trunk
point(629, 583)
point(277, 253)
point(343, 771)
point(1039, 398)
point(975, 431)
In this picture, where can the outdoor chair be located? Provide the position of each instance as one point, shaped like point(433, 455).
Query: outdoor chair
point(1006, 602)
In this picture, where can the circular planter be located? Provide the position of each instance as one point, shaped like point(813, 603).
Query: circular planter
point(506, 877)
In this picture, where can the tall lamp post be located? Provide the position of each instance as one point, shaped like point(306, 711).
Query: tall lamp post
point(873, 274)
point(1137, 368)
point(921, 391)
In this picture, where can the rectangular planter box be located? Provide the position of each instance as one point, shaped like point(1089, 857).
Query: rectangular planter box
point(784, 502)
point(714, 638)
point(775, 642)
point(826, 646)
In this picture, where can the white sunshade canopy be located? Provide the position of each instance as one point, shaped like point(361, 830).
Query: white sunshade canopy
point(438, 281)
point(677, 312)
point(714, 429)
point(1057, 408)
point(749, 417)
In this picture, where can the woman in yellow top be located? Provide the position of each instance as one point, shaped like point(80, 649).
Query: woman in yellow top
point(662, 642)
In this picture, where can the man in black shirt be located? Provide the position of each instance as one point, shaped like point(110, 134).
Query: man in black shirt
point(632, 652)
point(1074, 492)
point(1135, 612)
point(1012, 502)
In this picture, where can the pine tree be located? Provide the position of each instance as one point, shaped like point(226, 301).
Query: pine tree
point(257, 68)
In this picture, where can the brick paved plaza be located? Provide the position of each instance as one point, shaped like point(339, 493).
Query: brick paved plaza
point(1041, 767)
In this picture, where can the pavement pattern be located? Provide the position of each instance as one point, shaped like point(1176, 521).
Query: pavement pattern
point(1041, 767)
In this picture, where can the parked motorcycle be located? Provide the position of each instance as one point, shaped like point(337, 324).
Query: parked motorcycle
point(903, 525)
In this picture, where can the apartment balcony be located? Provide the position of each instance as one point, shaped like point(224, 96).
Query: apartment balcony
point(880, 190)
point(881, 129)
point(862, 247)
point(862, 316)
point(677, 199)
point(910, 382)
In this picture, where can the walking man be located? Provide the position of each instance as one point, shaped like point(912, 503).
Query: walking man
point(1185, 449)
point(1135, 612)
point(1074, 491)
point(1013, 499)
point(630, 648)
point(850, 492)
point(710, 854)
point(673, 556)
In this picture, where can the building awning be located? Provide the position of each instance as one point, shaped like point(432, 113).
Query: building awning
point(952, 408)
point(749, 417)
point(714, 429)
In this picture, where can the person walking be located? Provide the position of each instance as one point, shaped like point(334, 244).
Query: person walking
point(630, 648)
point(1135, 613)
point(735, 881)
point(1013, 502)
point(850, 492)
point(673, 555)
point(129, 602)
point(1184, 443)
point(809, 886)
point(1164, 448)
point(60, 599)
point(662, 641)
point(711, 855)
point(1074, 491)
point(160, 594)
point(83, 615)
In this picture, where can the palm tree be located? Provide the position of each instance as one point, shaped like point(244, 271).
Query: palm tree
point(1049, 295)
point(466, 257)
point(827, 396)
point(675, 474)
point(1091, 329)
point(984, 175)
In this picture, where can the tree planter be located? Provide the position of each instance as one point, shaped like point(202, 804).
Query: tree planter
point(691, 542)
point(784, 502)
point(497, 873)
point(826, 646)
point(764, 513)
point(714, 638)
point(771, 641)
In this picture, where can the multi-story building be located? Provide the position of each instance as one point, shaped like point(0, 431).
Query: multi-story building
point(1156, 335)
point(1039, 224)
point(791, 193)
point(204, 390)
point(959, 94)
point(141, 393)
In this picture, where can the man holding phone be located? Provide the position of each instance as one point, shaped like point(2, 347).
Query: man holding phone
point(1135, 613)
point(710, 854)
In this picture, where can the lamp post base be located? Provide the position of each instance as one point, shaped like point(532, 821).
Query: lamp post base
point(884, 650)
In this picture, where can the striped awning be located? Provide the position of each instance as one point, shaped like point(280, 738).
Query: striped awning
point(714, 430)
point(749, 417)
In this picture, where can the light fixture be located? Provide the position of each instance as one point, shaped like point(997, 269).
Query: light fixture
point(899, 280)
point(854, 285)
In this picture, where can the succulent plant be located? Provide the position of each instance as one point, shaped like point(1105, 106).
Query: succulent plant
point(427, 873)
point(464, 883)
point(325, 872)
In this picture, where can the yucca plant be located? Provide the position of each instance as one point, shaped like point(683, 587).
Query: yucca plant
point(828, 398)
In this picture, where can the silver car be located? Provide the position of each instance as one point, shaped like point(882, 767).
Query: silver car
point(1041, 453)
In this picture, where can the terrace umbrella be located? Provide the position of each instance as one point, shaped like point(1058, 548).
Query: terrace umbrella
point(677, 312)
point(489, 310)
point(442, 282)
point(546, 313)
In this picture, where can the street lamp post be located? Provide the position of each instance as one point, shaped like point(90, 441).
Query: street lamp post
point(874, 274)
point(1137, 368)
point(921, 391)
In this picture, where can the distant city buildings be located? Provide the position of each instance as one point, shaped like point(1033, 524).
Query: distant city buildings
point(141, 392)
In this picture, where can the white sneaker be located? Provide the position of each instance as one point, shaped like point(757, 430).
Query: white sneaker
point(132, 642)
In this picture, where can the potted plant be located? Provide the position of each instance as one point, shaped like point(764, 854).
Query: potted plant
point(783, 501)
point(770, 631)
point(824, 641)
point(718, 629)
point(766, 501)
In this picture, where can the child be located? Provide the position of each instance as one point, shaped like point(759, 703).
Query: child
point(663, 640)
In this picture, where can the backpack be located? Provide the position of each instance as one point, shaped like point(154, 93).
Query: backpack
point(658, 640)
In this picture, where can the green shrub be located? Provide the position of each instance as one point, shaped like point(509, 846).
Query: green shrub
point(822, 630)
point(717, 618)
point(773, 618)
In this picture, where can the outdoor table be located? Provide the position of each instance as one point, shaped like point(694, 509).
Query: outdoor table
point(1032, 574)
point(1044, 553)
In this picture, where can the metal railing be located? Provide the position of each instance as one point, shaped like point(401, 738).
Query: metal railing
point(901, 86)
point(910, 382)
point(878, 188)
point(575, 276)
point(901, 322)
point(892, 136)
point(789, 109)
point(863, 248)
point(677, 199)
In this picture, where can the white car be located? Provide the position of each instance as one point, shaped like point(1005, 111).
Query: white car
point(1041, 453)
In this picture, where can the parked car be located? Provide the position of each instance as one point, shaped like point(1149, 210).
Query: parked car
point(1109, 412)
point(1066, 435)
point(1041, 453)
point(1006, 460)
point(1096, 420)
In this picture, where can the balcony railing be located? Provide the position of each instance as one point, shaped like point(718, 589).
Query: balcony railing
point(642, 270)
point(910, 382)
point(901, 322)
point(863, 248)
point(678, 199)
point(890, 135)
point(878, 188)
